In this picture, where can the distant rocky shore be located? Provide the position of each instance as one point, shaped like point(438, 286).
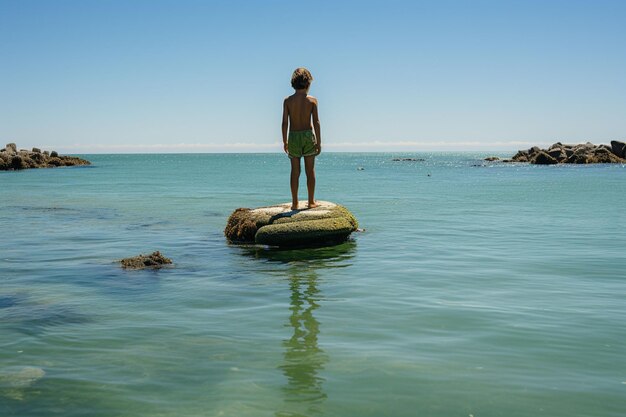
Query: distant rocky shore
point(12, 159)
point(559, 153)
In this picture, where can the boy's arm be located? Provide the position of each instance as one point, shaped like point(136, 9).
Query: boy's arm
point(317, 127)
point(285, 125)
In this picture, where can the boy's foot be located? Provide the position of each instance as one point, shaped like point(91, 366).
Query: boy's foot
point(294, 207)
point(312, 205)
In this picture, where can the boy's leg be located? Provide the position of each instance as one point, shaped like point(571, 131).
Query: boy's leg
point(309, 168)
point(295, 176)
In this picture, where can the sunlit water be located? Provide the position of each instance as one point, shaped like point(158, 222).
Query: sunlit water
point(493, 290)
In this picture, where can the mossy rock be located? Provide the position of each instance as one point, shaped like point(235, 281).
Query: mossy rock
point(278, 225)
point(153, 261)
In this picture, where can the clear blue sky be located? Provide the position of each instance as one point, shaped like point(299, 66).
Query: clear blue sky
point(202, 76)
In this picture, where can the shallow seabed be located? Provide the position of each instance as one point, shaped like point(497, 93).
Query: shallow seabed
point(489, 290)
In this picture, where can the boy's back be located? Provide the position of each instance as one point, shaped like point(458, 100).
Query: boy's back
point(300, 108)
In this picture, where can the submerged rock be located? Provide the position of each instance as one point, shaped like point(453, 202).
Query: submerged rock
point(11, 159)
point(15, 380)
point(153, 261)
point(20, 376)
point(278, 225)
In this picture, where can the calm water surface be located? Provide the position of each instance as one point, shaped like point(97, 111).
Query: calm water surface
point(489, 290)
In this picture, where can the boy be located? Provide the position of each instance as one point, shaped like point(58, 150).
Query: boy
point(300, 119)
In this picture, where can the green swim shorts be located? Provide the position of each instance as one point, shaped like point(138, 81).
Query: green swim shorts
point(301, 143)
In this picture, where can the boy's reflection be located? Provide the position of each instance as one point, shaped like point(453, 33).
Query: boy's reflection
point(303, 357)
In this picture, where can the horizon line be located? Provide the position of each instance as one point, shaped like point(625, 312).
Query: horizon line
point(276, 147)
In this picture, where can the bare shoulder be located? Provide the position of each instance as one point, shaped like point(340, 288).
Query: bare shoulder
point(287, 103)
point(312, 99)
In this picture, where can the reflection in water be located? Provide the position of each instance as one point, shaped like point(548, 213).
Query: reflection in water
point(303, 359)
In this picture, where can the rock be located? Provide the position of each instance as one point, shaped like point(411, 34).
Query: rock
point(17, 162)
point(492, 158)
point(20, 376)
point(618, 148)
point(542, 158)
point(582, 149)
point(556, 145)
point(73, 161)
point(578, 158)
point(586, 147)
point(278, 225)
point(521, 156)
point(29, 162)
point(39, 158)
point(55, 162)
point(15, 381)
point(558, 154)
point(604, 156)
point(11, 159)
point(153, 261)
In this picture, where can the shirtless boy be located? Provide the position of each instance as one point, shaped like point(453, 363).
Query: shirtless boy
point(300, 119)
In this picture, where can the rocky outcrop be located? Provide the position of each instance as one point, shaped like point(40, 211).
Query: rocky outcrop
point(278, 225)
point(584, 153)
point(12, 159)
point(153, 261)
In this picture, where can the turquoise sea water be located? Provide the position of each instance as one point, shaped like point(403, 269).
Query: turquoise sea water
point(493, 290)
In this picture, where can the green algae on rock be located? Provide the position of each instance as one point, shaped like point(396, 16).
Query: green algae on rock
point(278, 225)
